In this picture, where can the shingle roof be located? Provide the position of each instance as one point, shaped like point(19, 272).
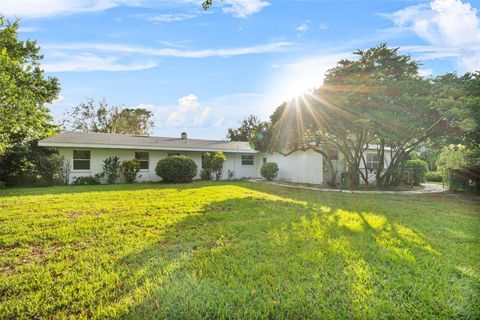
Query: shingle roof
point(126, 141)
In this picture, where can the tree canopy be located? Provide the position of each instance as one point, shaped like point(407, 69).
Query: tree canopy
point(377, 100)
point(24, 90)
point(246, 131)
point(90, 116)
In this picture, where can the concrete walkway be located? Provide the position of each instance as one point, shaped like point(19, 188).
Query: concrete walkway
point(428, 188)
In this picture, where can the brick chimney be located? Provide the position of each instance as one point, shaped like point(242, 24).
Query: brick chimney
point(184, 136)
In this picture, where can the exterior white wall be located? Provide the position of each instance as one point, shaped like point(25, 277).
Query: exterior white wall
point(300, 166)
point(233, 163)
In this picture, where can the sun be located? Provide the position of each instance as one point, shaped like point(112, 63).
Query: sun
point(289, 85)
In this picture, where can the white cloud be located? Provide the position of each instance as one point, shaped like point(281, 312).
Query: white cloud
point(89, 62)
point(425, 72)
point(187, 105)
point(244, 8)
point(167, 17)
point(219, 112)
point(322, 26)
point(171, 52)
point(28, 29)
point(451, 26)
point(49, 8)
point(204, 115)
point(117, 57)
point(40, 9)
point(304, 26)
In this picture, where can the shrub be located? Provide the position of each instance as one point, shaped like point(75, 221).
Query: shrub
point(212, 163)
point(54, 169)
point(130, 169)
point(434, 176)
point(269, 171)
point(418, 168)
point(87, 180)
point(465, 179)
point(111, 168)
point(176, 169)
point(217, 164)
point(205, 174)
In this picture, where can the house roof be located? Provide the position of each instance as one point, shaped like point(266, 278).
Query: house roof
point(127, 141)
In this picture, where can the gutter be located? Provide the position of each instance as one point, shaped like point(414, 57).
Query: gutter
point(130, 147)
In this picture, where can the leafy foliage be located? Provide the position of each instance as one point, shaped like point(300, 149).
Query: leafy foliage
point(453, 157)
point(55, 169)
point(130, 168)
point(100, 117)
point(205, 175)
point(434, 177)
point(111, 168)
point(269, 171)
point(464, 179)
point(418, 168)
point(24, 90)
point(247, 131)
point(176, 169)
point(87, 180)
point(212, 163)
point(20, 164)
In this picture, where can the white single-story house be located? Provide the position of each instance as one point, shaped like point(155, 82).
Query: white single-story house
point(86, 151)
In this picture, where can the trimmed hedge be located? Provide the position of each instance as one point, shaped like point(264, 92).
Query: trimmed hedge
point(434, 176)
point(269, 171)
point(176, 169)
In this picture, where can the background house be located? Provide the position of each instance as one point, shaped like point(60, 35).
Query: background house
point(86, 151)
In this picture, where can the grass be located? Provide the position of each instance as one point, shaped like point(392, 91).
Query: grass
point(236, 250)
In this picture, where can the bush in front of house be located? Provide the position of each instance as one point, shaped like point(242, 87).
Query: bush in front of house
point(130, 169)
point(87, 180)
point(111, 168)
point(434, 177)
point(176, 169)
point(54, 169)
point(205, 174)
point(418, 168)
point(212, 163)
point(269, 171)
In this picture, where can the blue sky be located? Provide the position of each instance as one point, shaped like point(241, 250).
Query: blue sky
point(203, 72)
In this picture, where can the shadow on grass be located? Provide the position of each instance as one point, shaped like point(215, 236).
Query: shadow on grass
point(259, 258)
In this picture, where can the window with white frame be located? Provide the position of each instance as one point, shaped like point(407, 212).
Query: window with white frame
point(142, 157)
point(247, 159)
point(372, 161)
point(81, 159)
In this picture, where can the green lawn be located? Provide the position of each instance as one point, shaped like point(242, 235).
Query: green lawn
point(236, 250)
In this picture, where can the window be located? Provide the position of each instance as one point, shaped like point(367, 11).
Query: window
point(81, 159)
point(247, 159)
point(372, 161)
point(142, 157)
point(332, 154)
point(172, 154)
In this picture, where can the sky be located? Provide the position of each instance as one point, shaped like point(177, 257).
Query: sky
point(203, 72)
